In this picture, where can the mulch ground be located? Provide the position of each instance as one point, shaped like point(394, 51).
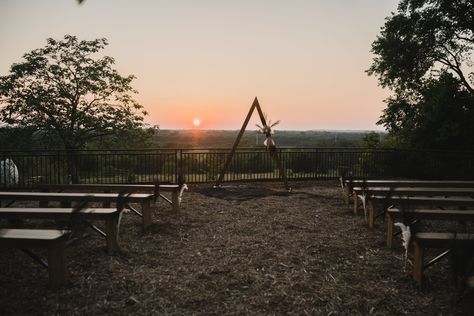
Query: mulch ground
point(247, 248)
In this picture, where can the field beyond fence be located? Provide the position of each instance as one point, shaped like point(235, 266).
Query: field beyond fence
point(204, 165)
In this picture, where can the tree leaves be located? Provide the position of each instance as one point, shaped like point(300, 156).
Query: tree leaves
point(423, 37)
point(62, 89)
point(423, 54)
point(441, 118)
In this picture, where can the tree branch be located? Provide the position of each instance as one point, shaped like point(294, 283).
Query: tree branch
point(463, 38)
point(456, 68)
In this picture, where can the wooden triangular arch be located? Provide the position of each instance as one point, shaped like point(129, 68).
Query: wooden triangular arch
point(271, 147)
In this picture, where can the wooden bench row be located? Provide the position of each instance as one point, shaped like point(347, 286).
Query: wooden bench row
point(156, 190)
point(416, 200)
point(110, 216)
point(424, 214)
point(54, 240)
point(365, 193)
point(424, 240)
point(349, 184)
point(375, 204)
point(51, 239)
point(144, 199)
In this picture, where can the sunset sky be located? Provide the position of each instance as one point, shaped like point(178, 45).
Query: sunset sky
point(305, 60)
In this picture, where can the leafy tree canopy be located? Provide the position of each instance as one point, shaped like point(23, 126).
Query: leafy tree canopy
point(423, 54)
point(63, 91)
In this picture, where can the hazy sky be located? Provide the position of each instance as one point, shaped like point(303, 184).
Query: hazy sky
point(305, 60)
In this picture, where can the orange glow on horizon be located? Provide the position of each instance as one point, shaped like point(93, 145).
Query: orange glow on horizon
point(190, 70)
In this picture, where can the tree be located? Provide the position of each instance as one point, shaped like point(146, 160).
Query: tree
point(371, 140)
point(64, 92)
point(423, 54)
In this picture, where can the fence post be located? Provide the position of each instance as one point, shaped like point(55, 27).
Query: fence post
point(317, 161)
point(178, 164)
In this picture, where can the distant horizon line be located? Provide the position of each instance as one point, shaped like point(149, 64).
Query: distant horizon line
point(282, 130)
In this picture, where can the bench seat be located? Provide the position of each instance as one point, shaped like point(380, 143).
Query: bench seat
point(374, 202)
point(362, 193)
point(349, 184)
point(53, 240)
point(431, 214)
point(111, 217)
point(109, 187)
point(143, 198)
point(424, 240)
point(117, 188)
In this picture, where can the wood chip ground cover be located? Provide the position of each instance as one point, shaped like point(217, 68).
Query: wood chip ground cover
point(247, 249)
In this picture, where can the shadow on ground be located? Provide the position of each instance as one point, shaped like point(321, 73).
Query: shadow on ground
point(240, 194)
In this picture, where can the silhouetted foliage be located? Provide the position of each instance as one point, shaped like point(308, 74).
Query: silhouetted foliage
point(422, 54)
point(371, 140)
point(440, 118)
point(62, 91)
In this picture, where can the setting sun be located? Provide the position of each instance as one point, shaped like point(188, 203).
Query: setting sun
point(196, 122)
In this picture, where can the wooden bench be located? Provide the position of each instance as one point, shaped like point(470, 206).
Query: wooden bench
point(117, 188)
point(375, 201)
point(431, 214)
point(53, 240)
point(361, 193)
point(349, 184)
point(421, 241)
point(111, 216)
point(144, 199)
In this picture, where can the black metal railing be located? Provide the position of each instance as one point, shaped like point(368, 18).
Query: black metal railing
point(28, 168)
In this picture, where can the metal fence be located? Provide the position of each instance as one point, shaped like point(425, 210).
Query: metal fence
point(26, 169)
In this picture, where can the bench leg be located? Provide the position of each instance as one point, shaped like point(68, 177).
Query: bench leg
point(106, 204)
point(418, 263)
point(175, 200)
point(370, 214)
point(354, 198)
point(345, 194)
point(58, 275)
point(112, 232)
point(146, 214)
point(389, 229)
point(44, 203)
